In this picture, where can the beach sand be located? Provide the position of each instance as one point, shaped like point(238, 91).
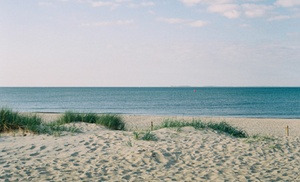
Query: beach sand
point(99, 154)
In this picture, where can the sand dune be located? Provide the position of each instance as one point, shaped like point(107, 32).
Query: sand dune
point(98, 154)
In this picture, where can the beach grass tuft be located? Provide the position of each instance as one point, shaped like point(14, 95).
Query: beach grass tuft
point(111, 121)
point(70, 117)
point(198, 124)
point(147, 136)
point(226, 128)
point(54, 128)
point(10, 120)
point(136, 135)
point(259, 138)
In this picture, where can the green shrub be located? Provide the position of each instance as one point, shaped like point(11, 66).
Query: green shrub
point(111, 121)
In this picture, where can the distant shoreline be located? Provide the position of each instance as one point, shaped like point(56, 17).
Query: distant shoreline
point(150, 115)
point(149, 86)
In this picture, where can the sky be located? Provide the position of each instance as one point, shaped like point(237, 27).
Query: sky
point(149, 43)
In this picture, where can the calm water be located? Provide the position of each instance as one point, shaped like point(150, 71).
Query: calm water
point(215, 101)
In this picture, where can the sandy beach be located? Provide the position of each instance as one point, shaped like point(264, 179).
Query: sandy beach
point(99, 154)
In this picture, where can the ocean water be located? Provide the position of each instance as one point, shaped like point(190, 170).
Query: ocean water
point(261, 102)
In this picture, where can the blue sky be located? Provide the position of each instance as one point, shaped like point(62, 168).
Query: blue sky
point(150, 43)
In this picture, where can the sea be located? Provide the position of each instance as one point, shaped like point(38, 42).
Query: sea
point(253, 102)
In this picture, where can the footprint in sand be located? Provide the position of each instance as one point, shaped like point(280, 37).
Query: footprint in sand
point(74, 154)
point(34, 154)
point(76, 164)
point(57, 150)
point(86, 143)
point(81, 141)
point(93, 149)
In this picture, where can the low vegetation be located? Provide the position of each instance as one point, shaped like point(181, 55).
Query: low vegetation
point(259, 138)
point(70, 117)
point(109, 121)
point(226, 128)
point(12, 121)
point(198, 124)
point(147, 136)
point(179, 124)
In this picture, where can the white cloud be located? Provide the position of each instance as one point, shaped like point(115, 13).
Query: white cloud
point(287, 3)
point(279, 17)
point(186, 22)
point(227, 10)
point(115, 3)
point(173, 20)
point(250, 9)
point(194, 2)
point(254, 10)
point(190, 2)
point(142, 4)
point(109, 23)
point(94, 3)
point(102, 3)
point(198, 23)
point(224, 7)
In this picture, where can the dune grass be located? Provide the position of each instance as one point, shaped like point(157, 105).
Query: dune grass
point(179, 124)
point(10, 120)
point(226, 128)
point(259, 138)
point(198, 124)
point(147, 136)
point(110, 121)
point(70, 117)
